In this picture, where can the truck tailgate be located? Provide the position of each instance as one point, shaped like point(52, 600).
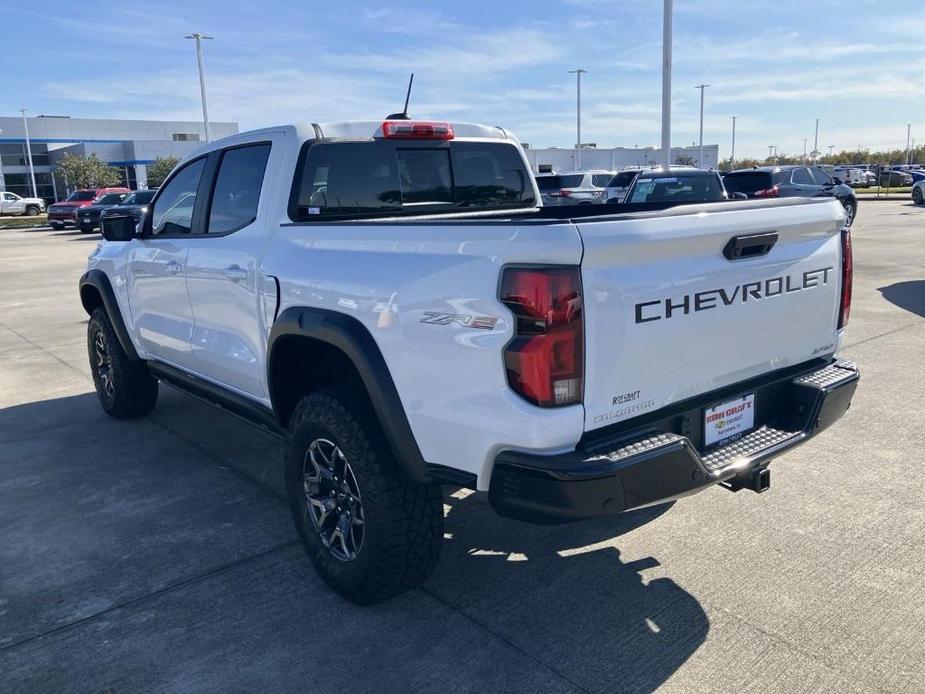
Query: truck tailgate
point(669, 316)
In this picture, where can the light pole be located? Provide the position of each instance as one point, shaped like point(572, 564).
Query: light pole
point(831, 150)
point(816, 142)
point(908, 135)
point(25, 126)
point(666, 84)
point(578, 72)
point(701, 87)
point(732, 157)
point(202, 80)
point(805, 140)
point(770, 149)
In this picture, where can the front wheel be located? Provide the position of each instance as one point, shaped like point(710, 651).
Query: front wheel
point(56, 226)
point(851, 211)
point(124, 387)
point(32, 211)
point(917, 196)
point(85, 229)
point(370, 533)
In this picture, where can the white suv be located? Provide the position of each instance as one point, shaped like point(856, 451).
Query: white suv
point(576, 188)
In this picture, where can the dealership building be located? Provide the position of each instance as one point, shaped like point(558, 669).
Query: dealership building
point(560, 160)
point(128, 145)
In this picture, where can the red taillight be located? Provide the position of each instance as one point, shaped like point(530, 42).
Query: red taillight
point(847, 278)
point(772, 192)
point(417, 130)
point(545, 360)
point(560, 194)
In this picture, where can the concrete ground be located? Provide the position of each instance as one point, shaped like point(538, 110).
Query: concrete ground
point(158, 555)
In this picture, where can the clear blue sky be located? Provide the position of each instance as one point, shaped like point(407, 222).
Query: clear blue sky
point(777, 65)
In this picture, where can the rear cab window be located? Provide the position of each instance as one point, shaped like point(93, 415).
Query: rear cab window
point(677, 188)
point(748, 182)
point(545, 183)
point(351, 180)
point(623, 179)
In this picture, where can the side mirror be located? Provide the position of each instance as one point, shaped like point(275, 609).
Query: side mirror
point(118, 228)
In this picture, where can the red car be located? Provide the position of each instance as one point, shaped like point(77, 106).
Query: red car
point(62, 213)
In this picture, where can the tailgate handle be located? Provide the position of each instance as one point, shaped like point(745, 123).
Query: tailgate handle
point(750, 245)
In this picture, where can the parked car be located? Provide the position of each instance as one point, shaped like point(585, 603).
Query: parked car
point(918, 192)
point(684, 187)
point(63, 213)
point(134, 205)
point(894, 179)
point(854, 177)
point(917, 175)
point(88, 218)
point(420, 321)
point(11, 203)
point(576, 188)
point(792, 181)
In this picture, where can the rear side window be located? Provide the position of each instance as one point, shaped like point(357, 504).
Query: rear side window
point(748, 182)
point(822, 178)
point(623, 179)
point(353, 179)
point(600, 180)
point(237, 188)
point(801, 177)
point(173, 211)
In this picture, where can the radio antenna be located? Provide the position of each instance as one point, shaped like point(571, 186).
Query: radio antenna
point(404, 114)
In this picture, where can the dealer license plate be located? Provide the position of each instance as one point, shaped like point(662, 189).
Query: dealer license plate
point(728, 419)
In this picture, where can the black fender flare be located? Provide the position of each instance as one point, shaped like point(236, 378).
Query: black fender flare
point(99, 281)
point(352, 338)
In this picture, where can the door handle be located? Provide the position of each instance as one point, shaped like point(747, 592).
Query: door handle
point(174, 268)
point(750, 245)
point(236, 273)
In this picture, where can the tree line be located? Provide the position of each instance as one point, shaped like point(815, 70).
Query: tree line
point(93, 172)
point(844, 158)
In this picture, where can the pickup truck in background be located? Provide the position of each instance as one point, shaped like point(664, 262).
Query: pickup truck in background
point(11, 203)
point(392, 299)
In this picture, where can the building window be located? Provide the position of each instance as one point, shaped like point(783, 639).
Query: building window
point(186, 137)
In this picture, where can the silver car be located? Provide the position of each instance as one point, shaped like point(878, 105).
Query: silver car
point(575, 188)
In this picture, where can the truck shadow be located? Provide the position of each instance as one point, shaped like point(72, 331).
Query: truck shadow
point(87, 495)
point(909, 296)
point(567, 595)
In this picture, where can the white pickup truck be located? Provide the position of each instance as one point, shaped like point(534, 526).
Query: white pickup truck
point(392, 299)
point(11, 203)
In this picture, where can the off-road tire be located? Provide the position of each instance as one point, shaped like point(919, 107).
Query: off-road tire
point(32, 211)
point(403, 521)
point(132, 391)
point(851, 212)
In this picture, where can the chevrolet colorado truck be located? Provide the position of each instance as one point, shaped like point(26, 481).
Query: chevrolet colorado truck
point(392, 299)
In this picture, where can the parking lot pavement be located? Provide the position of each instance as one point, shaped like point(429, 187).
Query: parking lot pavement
point(158, 555)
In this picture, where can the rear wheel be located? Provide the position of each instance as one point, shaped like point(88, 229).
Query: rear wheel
point(851, 211)
point(370, 533)
point(124, 387)
point(917, 196)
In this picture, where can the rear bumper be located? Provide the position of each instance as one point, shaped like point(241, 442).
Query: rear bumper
point(660, 461)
